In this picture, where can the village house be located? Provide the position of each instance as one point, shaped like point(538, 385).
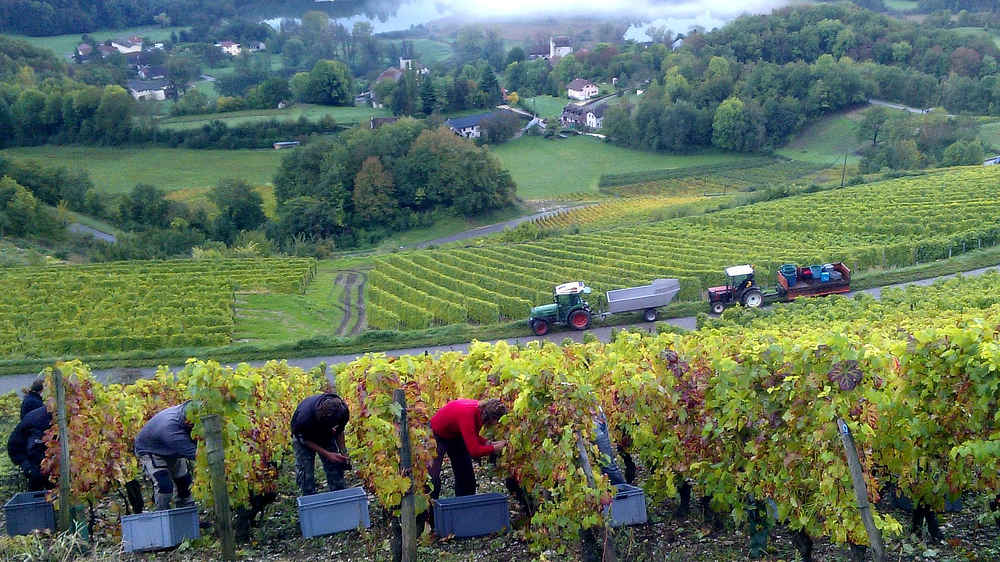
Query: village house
point(127, 45)
point(256, 46)
point(377, 122)
point(148, 89)
point(152, 72)
point(106, 50)
point(590, 115)
point(229, 48)
point(559, 46)
point(84, 50)
point(469, 126)
point(580, 89)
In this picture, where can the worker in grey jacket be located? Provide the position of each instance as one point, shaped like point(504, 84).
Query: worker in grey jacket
point(164, 447)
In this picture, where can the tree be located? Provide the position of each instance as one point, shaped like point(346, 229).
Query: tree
point(515, 76)
point(514, 55)
point(329, 83)
point(500, 126)
point(428, 97)
point(489, 86)
point(182, 70)
point(144, 207)
point(374, 193)
point(735, 128)
point(270, 93)
point(872, 124)
point(113, 119)
point(240, 208)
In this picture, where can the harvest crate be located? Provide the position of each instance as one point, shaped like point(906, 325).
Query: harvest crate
point(28, 511)
point(333, 512)
point(471, 516)
point(628, 506)
point(159, 529)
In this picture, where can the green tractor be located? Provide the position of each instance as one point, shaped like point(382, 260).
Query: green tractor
point(568, 307)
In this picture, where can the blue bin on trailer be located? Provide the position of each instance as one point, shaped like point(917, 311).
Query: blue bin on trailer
point(790, 272)
point(27, 512)
point(471, 516)
point(817, 271)
point(824, 276)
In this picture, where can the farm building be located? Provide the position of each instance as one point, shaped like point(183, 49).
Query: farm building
point(469, 126)
point(589, 115)
point(285, 144)
point(127, 45)
point(229, 48)
point(148, 89)
point(580, 89)
point(559, 46)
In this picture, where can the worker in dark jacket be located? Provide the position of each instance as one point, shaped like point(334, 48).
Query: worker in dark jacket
point(164, 447)
point(32, 397)
point(26, 447)
point(456, 429)
point(318, 429)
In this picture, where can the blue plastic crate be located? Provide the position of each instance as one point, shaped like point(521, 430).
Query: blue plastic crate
point(333, 512)
point(471, 516)
point(157, 530)
point(628, 506)
point(28, 511)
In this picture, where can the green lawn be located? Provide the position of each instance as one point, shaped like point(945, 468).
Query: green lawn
point(990, 133)
point(428, 51)
point(978, 31)
point(347, 115)
point(551, 168)
point(116, 170)
point(271, 318)
point(547, 107)
point(826, 140)
point(901, 5)
point(65, 44)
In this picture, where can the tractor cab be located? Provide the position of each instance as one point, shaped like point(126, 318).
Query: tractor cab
point(568, 307)
point(740, 288)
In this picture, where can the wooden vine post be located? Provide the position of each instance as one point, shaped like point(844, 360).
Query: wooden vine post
point(609, 553)
point(407, 505)
point(65, 501)
point(861, 492)
point(215, 453)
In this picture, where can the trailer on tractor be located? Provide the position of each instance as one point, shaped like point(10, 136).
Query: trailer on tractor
point(793, 282)
point(569, 307)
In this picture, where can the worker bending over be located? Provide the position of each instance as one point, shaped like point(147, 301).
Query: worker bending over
point(318, 428)
point(456, 429)
point(165, 447)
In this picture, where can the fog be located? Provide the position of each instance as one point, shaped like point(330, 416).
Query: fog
point(679, 16)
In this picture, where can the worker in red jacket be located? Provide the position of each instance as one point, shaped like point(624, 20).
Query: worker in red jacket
point(456, 429)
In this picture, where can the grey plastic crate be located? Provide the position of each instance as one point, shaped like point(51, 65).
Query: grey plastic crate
point(157, 530)
point(28, 511)
point(628, 506)
point(471, 516)
point(333, 512)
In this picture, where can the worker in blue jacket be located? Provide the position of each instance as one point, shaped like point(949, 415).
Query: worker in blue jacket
point(165, 448)
point(26, 447)
point(32, 397)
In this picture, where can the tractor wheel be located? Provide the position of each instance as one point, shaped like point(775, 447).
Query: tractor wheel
point(753, 299)
point(718, 307)
point(579, 319)
point(650, 315)
point(539, 327)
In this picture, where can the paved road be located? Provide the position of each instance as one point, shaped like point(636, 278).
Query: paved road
point(17, 382)
point(83, 229)
point(902, 107)
point(495, 228)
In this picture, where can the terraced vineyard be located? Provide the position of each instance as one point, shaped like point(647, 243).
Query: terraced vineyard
point(125, 306)
point(613, 211)
point(718, 179)
point(894, 223)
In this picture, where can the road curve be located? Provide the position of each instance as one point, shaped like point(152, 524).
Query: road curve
point(494, 228)
point(123, 374)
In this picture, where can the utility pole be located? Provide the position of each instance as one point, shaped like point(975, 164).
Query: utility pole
point(843, 174)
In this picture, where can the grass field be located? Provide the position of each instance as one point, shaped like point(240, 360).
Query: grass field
point(116, 170)
point(978, 31)
point(547, 107)
point(65, 44)
point(901, 5)
point(825, 141)
point(346, 115)
point(197, 197)
point(990, 133)
point(550, 168)
point(428, 51)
